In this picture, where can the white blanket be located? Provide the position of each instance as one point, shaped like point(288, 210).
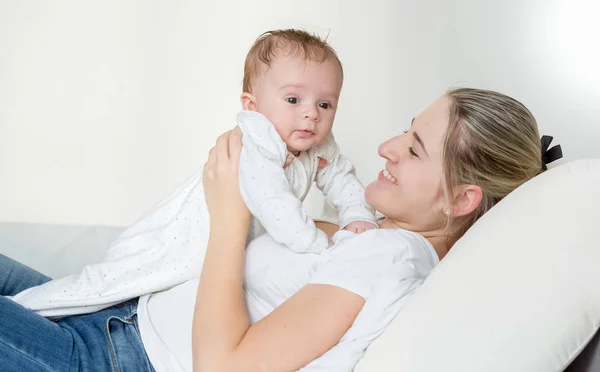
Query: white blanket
point(167, 246)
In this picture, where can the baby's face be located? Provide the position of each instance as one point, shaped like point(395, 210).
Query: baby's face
point(300, 98)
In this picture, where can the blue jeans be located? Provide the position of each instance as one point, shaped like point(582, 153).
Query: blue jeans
point(108, 340)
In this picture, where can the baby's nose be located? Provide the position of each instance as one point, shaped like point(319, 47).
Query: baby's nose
point(311, 114)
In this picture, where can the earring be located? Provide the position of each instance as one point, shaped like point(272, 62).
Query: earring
point(447, 212)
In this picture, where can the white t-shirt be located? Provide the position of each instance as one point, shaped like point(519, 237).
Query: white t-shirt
point(382, 266)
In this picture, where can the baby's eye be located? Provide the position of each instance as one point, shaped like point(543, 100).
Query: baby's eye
point(292, 100)
point(324, 105)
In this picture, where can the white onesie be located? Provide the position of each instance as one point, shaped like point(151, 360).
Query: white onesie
point(166, 247)
point(275, 197)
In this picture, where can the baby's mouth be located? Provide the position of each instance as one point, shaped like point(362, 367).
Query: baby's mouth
point(304, 133)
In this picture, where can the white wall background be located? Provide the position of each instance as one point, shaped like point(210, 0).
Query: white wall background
point(106, 106)
point(546, 53)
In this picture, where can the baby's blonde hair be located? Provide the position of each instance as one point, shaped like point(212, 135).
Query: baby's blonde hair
point(291, 42)
point(493, 142)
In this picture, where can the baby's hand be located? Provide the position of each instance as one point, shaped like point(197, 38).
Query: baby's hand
point(288, 160)
point(359, 226)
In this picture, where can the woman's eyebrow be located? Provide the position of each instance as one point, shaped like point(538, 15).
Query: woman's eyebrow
point(420, 141)
point(418, 138)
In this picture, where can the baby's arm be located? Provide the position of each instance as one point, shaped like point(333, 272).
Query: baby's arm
point(266, 190)
point(338, 182)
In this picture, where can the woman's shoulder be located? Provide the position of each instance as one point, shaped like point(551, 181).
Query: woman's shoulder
point(383, 248)
point(374, 260)
point(392, 242)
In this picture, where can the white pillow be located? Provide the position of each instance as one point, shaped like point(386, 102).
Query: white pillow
point(519, 292)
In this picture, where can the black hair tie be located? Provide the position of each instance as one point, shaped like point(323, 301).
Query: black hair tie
point(549, 154)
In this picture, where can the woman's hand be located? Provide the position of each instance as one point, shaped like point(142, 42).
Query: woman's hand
point(221, 181)
point(220, 317)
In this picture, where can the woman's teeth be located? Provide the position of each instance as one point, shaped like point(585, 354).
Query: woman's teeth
point(389, 177)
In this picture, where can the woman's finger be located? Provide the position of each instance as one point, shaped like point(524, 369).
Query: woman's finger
point(211, 156)
point(235, 146)
point(222, 151)
point(208, 165)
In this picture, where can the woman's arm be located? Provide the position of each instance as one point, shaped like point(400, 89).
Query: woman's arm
point(327, 227)
point(301, 329)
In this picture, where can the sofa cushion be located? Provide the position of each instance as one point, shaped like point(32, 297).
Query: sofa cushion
point(519, 292)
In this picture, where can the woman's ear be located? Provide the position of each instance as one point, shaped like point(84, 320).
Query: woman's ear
point(466, 199)
point(248, 101)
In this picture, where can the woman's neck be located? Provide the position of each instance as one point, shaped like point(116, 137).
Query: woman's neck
point(435, 237)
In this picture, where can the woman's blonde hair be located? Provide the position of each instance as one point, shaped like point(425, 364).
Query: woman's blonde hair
point(492, 142)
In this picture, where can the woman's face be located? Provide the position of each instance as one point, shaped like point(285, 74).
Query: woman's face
point(409, 189)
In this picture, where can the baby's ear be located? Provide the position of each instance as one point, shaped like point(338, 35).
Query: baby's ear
point(248, 101)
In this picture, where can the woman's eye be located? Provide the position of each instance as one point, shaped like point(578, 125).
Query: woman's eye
point(292, 100)
point(324, 105)
point(412, 152)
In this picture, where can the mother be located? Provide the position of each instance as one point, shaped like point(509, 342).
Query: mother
point(460, 157)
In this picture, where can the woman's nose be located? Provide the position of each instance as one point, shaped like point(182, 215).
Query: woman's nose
point(389, 149)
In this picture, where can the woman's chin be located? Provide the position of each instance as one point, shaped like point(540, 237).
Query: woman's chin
point(380, 193)
point(373, 193)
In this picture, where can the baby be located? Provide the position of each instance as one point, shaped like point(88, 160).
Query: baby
point(293, 79)
point(292, 83)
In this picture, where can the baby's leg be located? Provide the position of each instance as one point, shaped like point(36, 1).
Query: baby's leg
point(165, 248)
